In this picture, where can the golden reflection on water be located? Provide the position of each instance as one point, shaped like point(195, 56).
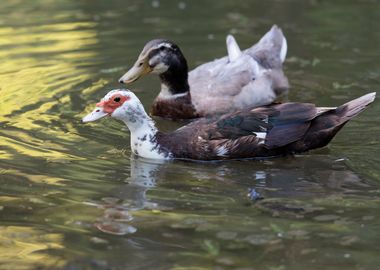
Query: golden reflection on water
point(36, 178)
point(22, 247)
point(26, 79)
point(38, 63)
point(39, 71)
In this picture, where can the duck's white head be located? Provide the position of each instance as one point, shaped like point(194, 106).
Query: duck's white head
point(125, 106)
point(121, 104)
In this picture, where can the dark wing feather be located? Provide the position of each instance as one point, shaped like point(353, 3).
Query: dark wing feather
point(244, 146)
point(284, 134)
point(238, 125)
point(236, 132)
point(290, 122)
point(284, 123)
point(287, 112)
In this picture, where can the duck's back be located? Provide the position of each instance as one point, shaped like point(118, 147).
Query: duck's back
point(222, 85)
point(241, 80)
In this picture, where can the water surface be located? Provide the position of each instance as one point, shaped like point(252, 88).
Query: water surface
point(73, 197)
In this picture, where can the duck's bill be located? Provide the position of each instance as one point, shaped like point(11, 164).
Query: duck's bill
point(135, 72)
point(96, 114)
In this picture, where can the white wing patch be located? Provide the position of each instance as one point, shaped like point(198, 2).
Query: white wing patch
point(261, 135)
point(221, 151)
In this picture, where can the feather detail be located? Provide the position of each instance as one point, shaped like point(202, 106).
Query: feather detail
point(233, 49)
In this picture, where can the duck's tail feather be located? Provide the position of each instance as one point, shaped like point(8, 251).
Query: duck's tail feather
point(232, 48)
point(327, 124)
point(352, 108)
point(284, 49)
point(271, 49)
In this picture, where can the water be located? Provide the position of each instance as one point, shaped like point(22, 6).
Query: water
point(72, 197)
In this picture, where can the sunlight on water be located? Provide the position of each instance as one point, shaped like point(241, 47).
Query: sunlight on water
point(22, 246)
point(30, 94)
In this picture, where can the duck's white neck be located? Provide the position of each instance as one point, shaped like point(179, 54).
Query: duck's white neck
point(166, 93)
point(143, 133)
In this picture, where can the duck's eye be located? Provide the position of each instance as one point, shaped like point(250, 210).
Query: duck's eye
point(162, 48)
point(117, 99)
point(140, 64)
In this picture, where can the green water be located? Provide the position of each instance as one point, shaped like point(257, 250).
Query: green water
point(73, 197)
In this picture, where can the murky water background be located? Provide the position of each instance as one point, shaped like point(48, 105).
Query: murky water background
point(72, 197)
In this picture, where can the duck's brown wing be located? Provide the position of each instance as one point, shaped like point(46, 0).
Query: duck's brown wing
point(290, 122)
point(254, 133)
point(266, 131)
point(274, 126)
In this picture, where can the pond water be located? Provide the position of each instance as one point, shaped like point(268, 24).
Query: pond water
point(73, 197)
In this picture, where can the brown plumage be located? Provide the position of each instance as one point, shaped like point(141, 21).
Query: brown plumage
point(289, 128)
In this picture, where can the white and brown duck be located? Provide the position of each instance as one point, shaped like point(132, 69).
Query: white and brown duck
point(269, 131)
point(243, 79)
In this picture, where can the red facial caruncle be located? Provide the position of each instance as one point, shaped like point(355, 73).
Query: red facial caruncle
point(114, 102)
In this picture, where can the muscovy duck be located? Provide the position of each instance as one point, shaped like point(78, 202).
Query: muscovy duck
point(268, 131)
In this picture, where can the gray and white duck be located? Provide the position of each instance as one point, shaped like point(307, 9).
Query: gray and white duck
point(243, 79)
point(273, 130)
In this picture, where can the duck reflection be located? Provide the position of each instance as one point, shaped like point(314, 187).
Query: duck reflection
point(129, 197)
point(214, 183)
point(308, 176)
point(292, 176)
